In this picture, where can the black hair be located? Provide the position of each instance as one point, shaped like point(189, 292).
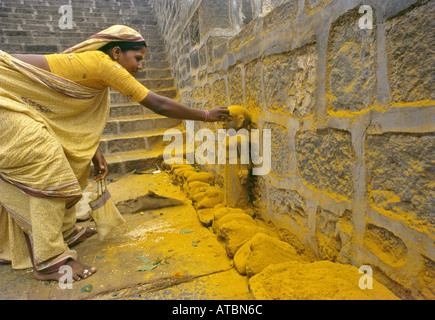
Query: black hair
point(124, 45)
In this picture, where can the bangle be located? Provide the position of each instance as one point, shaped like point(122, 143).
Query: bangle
point(207, 114)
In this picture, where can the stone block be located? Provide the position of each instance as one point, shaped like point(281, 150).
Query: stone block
point(385, 245)
point(136, 125)
point(197, 93)
point(125, 145)
point(165, 123)
point(254, 86)
point(316, 4)
point(194, 59)
point(125, 110)
point(289, 203)
point(246, 35)
point(214, 14)
point(325, 161)
point(194, 30)
point(141, 164)
point(235, 83)
point(207, 91)
point(246, 9)
point(280, 149)
point(203, 55)
point(333, 235)
point(220, 93)
point(213, 43)
point(281, 16)
point(40, 48)
point(352, 63)
point(290, 82)
point(410, 39)
point(402, 172)
point(111, 129)
point(427, 278)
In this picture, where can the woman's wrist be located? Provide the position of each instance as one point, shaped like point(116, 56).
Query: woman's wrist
point(206, 115)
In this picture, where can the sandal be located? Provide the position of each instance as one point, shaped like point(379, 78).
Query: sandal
point(79, 235)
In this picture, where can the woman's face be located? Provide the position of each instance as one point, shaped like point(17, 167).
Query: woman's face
point(131, 60)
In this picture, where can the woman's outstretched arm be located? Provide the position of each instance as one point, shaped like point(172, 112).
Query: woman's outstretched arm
point(172, 109)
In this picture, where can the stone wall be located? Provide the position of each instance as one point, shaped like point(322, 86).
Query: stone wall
point(351, 112)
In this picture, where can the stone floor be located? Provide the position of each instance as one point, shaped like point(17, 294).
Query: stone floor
point(188, 260)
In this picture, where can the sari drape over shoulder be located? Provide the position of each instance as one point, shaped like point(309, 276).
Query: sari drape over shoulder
point(50, 129)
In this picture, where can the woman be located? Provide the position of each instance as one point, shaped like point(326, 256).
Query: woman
point(53, 110)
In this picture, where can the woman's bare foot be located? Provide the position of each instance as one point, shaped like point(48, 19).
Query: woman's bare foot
point(79, 272)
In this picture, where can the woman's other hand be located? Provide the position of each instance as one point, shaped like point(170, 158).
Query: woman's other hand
point(101, 169)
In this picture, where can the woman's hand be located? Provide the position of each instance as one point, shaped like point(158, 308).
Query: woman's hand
point(218, 114)
point(100, 166)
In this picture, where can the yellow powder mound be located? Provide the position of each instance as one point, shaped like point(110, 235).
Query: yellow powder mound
point(180, 172)
point(209, 191)
point(237, 233)
point(202, 177)
point(212, 196)
point(321, 280)
point(205, 216)
point(195, 187)
point(236, 216)
point(187, 174)
point(223, 211)
point(263, 250)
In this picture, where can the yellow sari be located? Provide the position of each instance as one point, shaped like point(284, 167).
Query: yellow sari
point(50, 129)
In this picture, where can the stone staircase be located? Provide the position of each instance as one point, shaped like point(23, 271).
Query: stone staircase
point(133, 137)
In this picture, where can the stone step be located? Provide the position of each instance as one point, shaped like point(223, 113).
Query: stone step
point(138, 141)
point(133, 161)
point(85, 28)
point(154, 73)
point(74, 34)
point(123, 163)
point(100, 12)
point(140, 123)
point(156, 64)
point(133, 137)
point(116, 97)
point(158, 83)
point(65, 40)
point(118, 110)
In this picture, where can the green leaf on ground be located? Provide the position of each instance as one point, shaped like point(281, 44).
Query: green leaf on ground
point(147, 268)
point(87, 289)
point(186, 231)
point(144, 260)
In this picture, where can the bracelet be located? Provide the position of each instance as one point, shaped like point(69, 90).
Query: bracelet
point(207, 114)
